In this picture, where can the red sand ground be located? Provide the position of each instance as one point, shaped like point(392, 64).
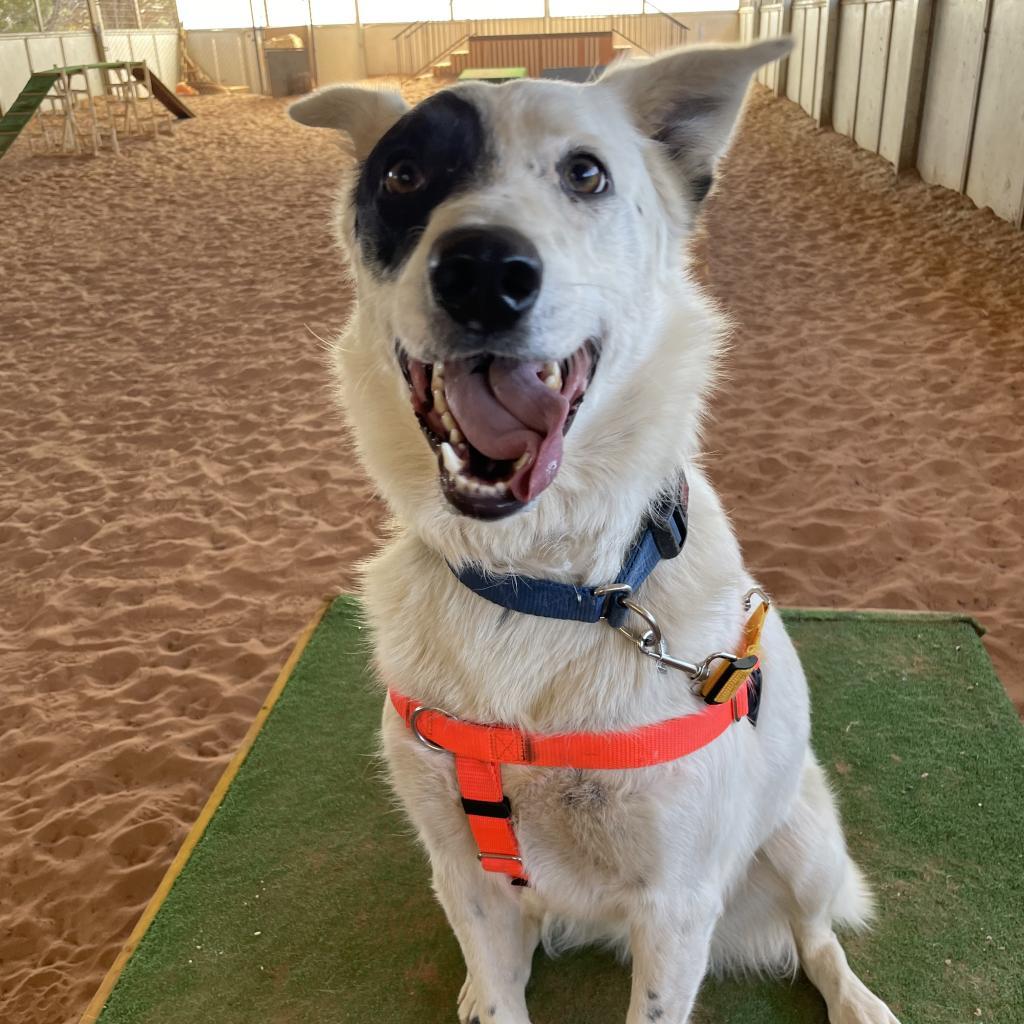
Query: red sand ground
point(178, 497)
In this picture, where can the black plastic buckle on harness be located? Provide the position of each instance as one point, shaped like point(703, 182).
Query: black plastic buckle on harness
point(668, 526)
point(488, 808)
point(755, 685)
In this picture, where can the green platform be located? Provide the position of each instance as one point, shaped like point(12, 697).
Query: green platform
point(496, 75)
point(306, 901)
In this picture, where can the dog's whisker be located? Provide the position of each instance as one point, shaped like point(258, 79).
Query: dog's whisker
point(323, 341)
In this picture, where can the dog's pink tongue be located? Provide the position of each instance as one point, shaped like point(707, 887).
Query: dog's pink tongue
point(505, 411)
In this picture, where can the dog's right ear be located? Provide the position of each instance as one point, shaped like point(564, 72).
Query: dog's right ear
point(364, 115)
point(688, 100)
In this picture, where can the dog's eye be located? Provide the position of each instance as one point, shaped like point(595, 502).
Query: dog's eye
point(584, 175)
point(403, 178)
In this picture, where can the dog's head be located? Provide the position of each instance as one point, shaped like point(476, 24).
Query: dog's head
point(515, 249)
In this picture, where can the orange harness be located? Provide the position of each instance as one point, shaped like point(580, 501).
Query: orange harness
point(732, 693)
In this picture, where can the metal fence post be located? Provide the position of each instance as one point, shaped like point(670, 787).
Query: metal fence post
point(96, 20)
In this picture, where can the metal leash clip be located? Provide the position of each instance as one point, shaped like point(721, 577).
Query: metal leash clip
point(652, 643)
point(763, 595)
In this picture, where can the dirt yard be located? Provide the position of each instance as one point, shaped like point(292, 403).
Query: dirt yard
point(177, 495)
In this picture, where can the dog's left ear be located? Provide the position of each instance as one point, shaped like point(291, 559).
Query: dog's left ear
point(364, 115)
point(689, 101)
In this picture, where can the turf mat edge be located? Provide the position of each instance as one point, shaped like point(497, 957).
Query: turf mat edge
point(318, 909)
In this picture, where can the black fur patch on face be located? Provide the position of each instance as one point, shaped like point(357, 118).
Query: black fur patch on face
point(444, 138)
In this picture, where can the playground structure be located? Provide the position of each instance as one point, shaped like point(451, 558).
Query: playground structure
point(61, 112)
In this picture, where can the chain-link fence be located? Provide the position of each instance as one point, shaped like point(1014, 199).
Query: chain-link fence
point(73, 15)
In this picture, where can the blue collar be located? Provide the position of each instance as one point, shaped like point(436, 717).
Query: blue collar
point(661, 536)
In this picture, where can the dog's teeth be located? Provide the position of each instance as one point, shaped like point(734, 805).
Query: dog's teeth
point(439, 400)
point(452, 463)
point(552, 376)
point(438, 371)
point(455, 436)
point(521, 461)
point(449, 421)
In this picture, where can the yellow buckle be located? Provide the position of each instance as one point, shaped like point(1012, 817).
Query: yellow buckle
point(727, 680)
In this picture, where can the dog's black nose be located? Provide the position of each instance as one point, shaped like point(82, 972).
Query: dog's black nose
point(485, 278)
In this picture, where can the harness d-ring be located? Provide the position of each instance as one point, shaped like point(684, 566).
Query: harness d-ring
point(429, 744)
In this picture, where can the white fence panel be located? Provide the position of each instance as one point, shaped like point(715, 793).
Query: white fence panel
point(228, 56)
point(874, 69)
point(996, 176)
point(118, 46)
point(953, 78)
point(79, 48)
point(897, 85)
point(44, 52)
point(168, 51)
point(796, 58)
point(14, 69)
point(847, 81)
point(748, 23)
point(774, 21)
point(158, 47)
point(144, 48)
point(809, 27)
point(339, 56)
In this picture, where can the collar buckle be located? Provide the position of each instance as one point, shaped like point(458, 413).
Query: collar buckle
point(668, 526)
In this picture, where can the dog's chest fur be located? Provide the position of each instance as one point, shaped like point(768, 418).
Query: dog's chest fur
point(445, 646)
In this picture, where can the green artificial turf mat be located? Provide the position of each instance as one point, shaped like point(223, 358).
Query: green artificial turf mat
point(307, 900)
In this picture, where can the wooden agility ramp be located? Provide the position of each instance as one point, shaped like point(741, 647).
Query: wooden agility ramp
point(41, 84)
point(301, 897)
point(24, 107)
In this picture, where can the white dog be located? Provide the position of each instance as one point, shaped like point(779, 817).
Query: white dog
point(525, 376)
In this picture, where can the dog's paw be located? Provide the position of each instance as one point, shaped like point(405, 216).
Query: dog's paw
point(863, 1007)
point(468, 1013)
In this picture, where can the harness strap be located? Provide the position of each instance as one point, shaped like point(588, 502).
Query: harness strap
point(639, 748)
point(481, 750)
point(490, 817)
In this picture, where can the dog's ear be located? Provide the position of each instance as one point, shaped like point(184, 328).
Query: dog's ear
point(364, 115)
point(689, 100)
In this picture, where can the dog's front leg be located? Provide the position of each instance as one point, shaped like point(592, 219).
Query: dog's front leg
point(497, 940)
point(670, 946)
point(485, 911)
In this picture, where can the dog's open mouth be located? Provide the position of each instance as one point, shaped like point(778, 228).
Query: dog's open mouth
point(497, 424)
